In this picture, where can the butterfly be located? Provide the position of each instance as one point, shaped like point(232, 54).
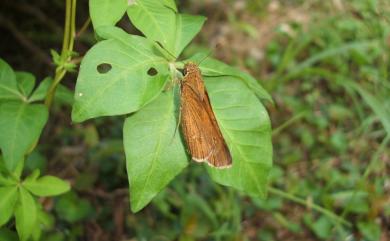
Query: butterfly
point(199, 126)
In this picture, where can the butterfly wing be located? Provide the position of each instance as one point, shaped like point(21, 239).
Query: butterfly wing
point(199, 125)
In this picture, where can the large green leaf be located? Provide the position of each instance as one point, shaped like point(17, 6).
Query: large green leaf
point(25, 214)
point(8, 85)
point(118, 76)
point(106, 12)
point(213, 67)
point(154, 151)
point(8, 199)
point(154, 20)
point(46, 186)
point(20, 127)
point(158, 21)
point(247, 130)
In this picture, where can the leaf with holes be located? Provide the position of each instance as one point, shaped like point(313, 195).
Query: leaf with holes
point(20, 127)
point(246, 128)
point(8, 85)
point(107, 12)
point(118, 76)
point(154, 151)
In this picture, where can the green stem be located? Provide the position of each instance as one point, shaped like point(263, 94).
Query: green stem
point(67, 48)
point(316, 207)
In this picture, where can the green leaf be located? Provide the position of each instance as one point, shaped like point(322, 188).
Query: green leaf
point(71, 208)
point(63, 95)
point(20, 127)
point(154, 152)
point(158, 21)
point(8, 85)
point(106, 12)
point(154, 20)
point(213, 67)
point(25, 215)
point(116, 77)
point(246, 128)
point(41, 91)
point(377, 105)
point(171, 4)
point(7, 202)
point(26, 82)
point(187, 27)
point(46, 186)
point(370, 230)
point(7, 181)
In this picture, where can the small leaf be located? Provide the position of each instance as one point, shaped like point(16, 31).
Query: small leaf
point(8, 199)
point(20, 127)
point(8, 85)
point(127, 86)
point(106, 12)
point(46, 186)
point(246, 128)
point(26, 82)
point(213, 67)
point(154, 152)
point(25, 215)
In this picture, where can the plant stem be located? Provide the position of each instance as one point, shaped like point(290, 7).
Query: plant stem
point(316, 207)
point(67, 48)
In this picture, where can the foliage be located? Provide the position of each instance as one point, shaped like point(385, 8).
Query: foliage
point(326, 64)
point(115, 79)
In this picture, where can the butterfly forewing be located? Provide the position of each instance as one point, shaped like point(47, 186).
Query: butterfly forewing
point(199, 126)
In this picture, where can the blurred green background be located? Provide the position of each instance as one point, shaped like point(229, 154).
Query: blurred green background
point(326, 64)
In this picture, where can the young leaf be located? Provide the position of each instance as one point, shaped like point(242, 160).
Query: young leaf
point(106, 12)
point(46, 186)
point(8, 85)
point(26, 82)
point(20, 127)
point(154, 20)
point(118, 76)
point(246, 128)
point(25, 214)
point(154, 152)
point(213, 67)
point(7, 202)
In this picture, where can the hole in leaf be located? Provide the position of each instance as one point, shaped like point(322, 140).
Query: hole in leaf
point(104, 68)
point(152, 71)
